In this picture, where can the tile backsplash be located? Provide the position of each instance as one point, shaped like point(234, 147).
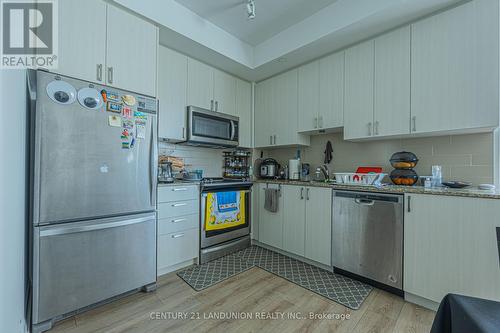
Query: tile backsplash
point(196, 158)
point(463, 157)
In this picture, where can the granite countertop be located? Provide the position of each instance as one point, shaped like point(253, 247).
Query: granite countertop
point(472, 192)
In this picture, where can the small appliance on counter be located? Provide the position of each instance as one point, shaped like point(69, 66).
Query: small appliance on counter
point(403, 163)
point(165, 174)
point(269, 168)
point(305, 173)
point(294, 169)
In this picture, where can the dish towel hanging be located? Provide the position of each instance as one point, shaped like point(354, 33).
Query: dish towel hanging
point(271, 200)
point(328, 152)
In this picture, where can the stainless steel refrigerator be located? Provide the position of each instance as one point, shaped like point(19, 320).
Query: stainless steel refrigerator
point(93, 164)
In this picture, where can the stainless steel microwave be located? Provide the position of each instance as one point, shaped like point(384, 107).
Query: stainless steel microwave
point(210, 128)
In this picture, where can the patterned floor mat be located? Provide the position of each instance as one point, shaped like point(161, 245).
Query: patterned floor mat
point(338, 288)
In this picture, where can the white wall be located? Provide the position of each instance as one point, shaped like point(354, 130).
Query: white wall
point(12, 199)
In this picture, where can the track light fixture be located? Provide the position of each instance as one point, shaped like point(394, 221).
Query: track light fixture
point(251, 9)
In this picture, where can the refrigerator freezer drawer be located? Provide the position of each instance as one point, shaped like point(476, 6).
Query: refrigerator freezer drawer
point(79, 264)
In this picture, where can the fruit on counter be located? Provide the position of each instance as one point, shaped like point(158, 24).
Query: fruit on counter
point(403, 160)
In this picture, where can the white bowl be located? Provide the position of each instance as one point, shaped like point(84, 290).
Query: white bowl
point(488, 187)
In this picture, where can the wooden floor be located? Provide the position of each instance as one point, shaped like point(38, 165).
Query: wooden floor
point(254, 291)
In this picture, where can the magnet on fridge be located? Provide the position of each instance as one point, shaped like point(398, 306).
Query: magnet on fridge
point(139, 115)
point(126, 112)
point(132, 143)
point(128, 100)
point(127, 123)
point(114, 107)
point(113, 96)
point(125, 134)
point(114, 121)
point(125, 145)
point(104, 95)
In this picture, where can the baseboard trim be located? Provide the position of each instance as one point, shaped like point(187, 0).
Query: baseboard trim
point(421, 301)
point(294, 256)
point(176, 267)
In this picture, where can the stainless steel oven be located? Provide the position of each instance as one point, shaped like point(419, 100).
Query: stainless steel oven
point(225, 218)
point(210, 128)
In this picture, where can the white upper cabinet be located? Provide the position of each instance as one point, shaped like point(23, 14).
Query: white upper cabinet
point(244, 111)
point(392, 83)
point(104, 44)
point(321, 94)
point(276, 112)
point(264, 114)
point(200, 85)
point(331, 91)
point(454, 74)
point(224, 93)
point(172, 94)
point(359, 74)
point(82, 41)
point(131, 52)
point(308, 97)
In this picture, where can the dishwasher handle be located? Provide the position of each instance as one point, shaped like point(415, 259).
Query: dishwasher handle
point(364, 202)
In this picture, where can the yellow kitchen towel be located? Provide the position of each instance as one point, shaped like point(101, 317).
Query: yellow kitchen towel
point(221, 214)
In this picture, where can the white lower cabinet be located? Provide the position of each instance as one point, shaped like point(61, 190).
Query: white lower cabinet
point(178, 226)
point(302, 225)
point(450, 246)
point(318, 240)
point(294, 223)
point(270, 224)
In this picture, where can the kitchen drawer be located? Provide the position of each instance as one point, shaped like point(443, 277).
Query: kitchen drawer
point(177, 193)
point(178, 223)
point(177, 247)
point(178, 208)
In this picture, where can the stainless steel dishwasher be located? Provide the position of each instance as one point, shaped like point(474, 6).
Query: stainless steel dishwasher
point(367, 236)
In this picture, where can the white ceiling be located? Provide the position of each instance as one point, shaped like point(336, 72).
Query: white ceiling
point(281, 37)
point(272, 16)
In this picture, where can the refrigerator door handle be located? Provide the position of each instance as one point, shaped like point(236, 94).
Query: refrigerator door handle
point(153, 162)
point(68, 229)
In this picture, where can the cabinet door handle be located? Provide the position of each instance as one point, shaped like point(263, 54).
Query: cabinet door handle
point(99, 72)
point(179, 204)
point(376, 127)
point(320, 122)
point(315, 122)
point(110, 75)
point(183, 132)
point(178, 220)
point(270, 139)
point(307, 193)
point(177, 189)
point(211, 105)
point(414, 123)
point(370, 128)
point(301, 193)
point(177, 235)
point(409, 204)
point(274, 136)
point(216, 106)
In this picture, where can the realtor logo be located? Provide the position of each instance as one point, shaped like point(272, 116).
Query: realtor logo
point(29, 34)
